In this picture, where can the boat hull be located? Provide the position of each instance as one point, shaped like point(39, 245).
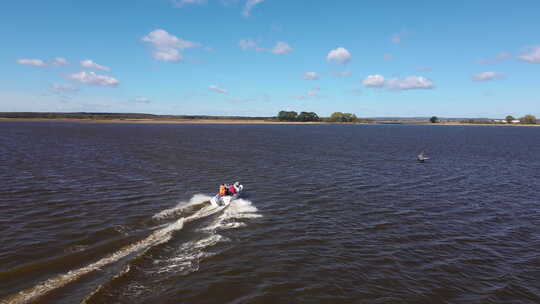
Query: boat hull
point(218, 200)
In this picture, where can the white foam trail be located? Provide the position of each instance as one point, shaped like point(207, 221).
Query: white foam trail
point(181, 206)
point(238, 209)
point(241, 208)
point(157, 237)
point(192, 253)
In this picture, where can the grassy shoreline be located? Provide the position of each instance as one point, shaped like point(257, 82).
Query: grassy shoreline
point(246, 121)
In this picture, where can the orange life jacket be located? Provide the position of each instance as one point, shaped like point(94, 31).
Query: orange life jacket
point(222, 190)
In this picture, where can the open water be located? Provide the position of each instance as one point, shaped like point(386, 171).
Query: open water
point(118, 213)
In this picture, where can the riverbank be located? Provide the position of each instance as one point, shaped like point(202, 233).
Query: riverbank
point(248, 121)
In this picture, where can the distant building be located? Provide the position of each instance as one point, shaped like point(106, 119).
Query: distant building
point(516, 121)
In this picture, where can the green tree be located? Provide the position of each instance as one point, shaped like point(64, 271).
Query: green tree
point(528, 119)
point(343, 117)
point(308, 116)
point(287, 116)
point(434, 119)
point(509, 118)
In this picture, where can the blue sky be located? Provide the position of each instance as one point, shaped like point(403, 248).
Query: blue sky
point(256, 57)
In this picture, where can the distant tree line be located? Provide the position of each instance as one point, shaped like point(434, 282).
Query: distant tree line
point(527, 119)
point(105, 116)
point(342, 117)
point(293, 116)
point(312, 116)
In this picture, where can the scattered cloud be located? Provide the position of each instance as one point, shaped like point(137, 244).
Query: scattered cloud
point(140, 100)
point(182, 3)
point(485, 76)
point(282, 48)
point(32, 62)
point(167, 55)
point(311, 76)
point(92, 78)
point(246, 44)
point(410, 83)
point(398, 84)
point(58, 87)
point(246, 12)
point(59, 61)
point(218, 89)
point(341, 74)
point(531, 55)
point(374, 81)
point(167, 46)
point(500, 57)
point(92, 65)
point(339, 55)
point(388, 57)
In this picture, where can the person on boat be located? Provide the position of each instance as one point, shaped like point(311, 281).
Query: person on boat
point(232, 190)
point(222, 190)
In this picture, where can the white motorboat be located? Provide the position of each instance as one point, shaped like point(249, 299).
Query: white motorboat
point(422, 157)
point(224, 200)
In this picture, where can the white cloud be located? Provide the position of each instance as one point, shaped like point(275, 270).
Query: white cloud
point(246, 12)
point(246, 44)
point(410, 83)
point(167, 55)
point(218, 89)
point(64, 87)
point(500, 57)
point(92, 65)
point(532, 55)
point(373, 81)
point(93, 79)
point(181, 3)
point(59, 61)
point(485, 76)
point(33, 62)
point(140, 100)
point(282, 48)
point(167, 46)
point(311, 76)
point(339, 55)
point(162, 39)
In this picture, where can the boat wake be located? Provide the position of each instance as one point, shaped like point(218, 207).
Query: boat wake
point(185, 258)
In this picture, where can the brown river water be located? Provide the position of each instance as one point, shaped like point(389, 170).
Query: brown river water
point(119, 213)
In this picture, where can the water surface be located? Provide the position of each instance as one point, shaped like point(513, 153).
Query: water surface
point(117, 213)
